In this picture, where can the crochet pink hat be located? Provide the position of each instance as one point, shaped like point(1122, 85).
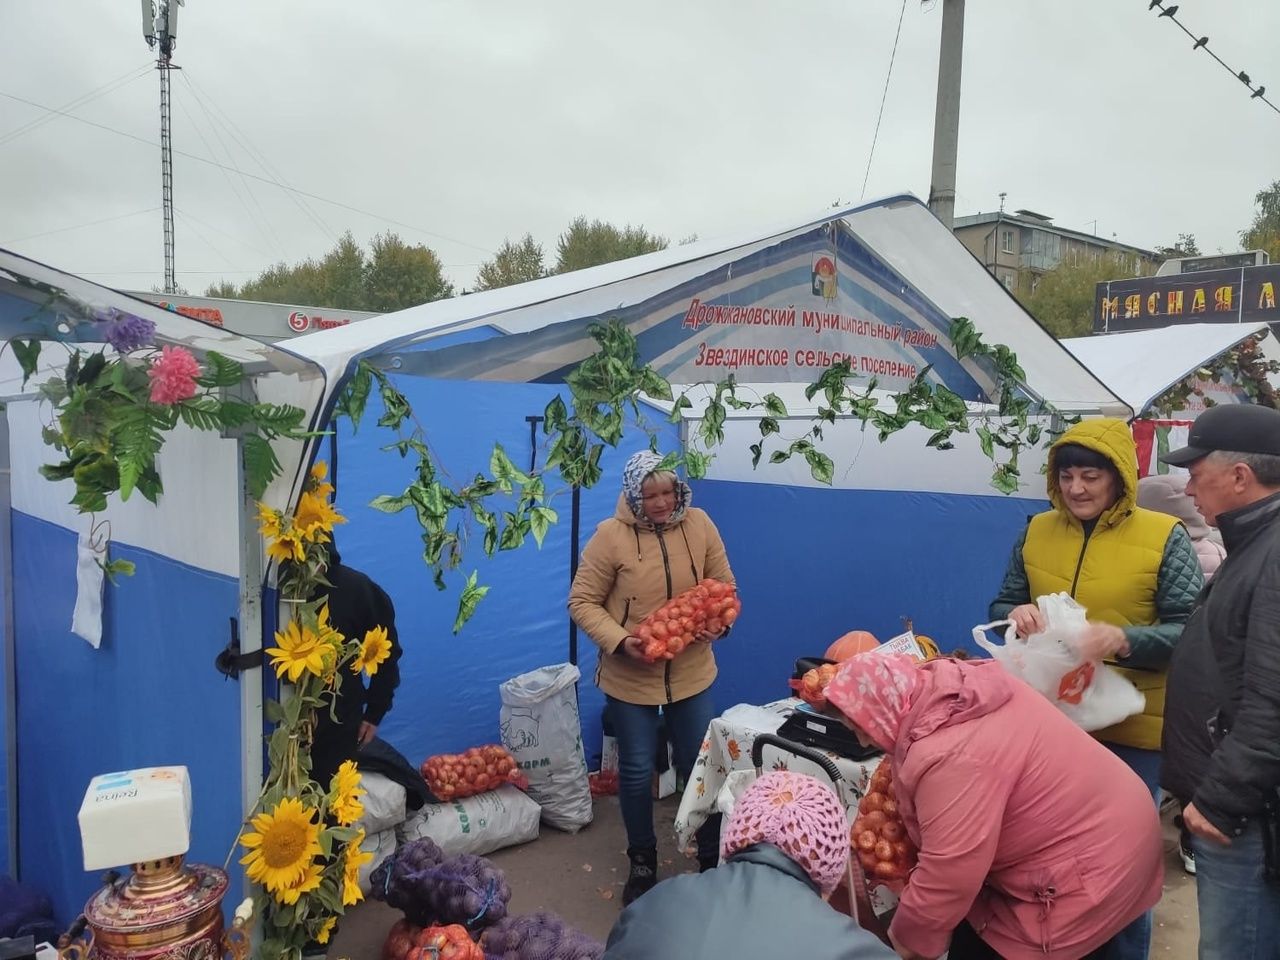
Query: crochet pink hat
point(798, 815)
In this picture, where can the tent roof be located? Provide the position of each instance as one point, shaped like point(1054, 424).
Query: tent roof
point(919, 267)
point(40, 301)
point(1142, 364)
point(900, 230)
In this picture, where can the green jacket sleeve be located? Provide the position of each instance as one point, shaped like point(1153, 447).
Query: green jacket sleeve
point(1014, 589)
point(1177, 585)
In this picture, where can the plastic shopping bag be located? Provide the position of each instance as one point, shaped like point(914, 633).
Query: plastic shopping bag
point(1090, 693)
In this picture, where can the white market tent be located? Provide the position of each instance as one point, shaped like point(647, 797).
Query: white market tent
point(1141, 365)
point(900, 531)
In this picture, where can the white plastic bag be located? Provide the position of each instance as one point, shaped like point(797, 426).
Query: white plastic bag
point(384, 803)
point(382, 845)
point(1090, 693)
point(540, 726)
point(481, 824)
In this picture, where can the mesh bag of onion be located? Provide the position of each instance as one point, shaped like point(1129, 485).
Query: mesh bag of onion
point(538, 936)
point(879, 837)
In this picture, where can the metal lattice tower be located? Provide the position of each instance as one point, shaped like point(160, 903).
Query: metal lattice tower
point(160, 26)
point(166, 175)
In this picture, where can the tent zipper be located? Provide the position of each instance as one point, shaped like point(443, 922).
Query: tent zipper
point(666, 566)
point(1075, 580)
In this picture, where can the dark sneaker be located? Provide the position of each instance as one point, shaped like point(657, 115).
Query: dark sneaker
point(644, 874)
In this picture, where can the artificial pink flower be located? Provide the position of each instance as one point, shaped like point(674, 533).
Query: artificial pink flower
point(173, 375)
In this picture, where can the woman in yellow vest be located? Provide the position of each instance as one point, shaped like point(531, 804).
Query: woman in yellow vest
point(1135, 571)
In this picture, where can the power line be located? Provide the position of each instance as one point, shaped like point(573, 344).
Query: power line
point(109, 87)
point(1202, 43)
point(883, 97)
point(205, 239)
point(252, 176)
point(231, 183)
point(242, 140)
point(80, 226)
point(188, 215)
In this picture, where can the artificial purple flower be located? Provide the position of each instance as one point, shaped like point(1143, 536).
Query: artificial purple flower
point(127, 333)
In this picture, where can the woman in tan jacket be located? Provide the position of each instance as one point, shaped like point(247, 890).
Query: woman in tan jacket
point(654, 547)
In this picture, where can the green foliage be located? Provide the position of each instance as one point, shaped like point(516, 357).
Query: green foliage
point(393, 275)
point(1184, 246)
point(1264, 232)
point(513, 263)
point(504, 506)
point(1245, 366)
point(28, 354)
point(110, 432)
point(1062, 300)
point(589, 243)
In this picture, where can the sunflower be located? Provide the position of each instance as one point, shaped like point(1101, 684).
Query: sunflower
point(310, 880)
point(268, 521)
point(345, 787)
point(332, 640)
point(326, 930)
point(318, 486)
point(373, 651)
point(315, 517)
point(282, 847)
point(354, 859)
point(287, 546)
point(299, 649)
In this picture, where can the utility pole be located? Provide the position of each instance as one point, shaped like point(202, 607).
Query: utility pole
point(160, 27)
point(946, 120)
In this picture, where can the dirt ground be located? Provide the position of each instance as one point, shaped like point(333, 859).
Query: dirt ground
point(580, 878)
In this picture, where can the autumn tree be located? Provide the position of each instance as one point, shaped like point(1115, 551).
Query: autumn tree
point(1062, 299)
point(398, 275)
point(1184, 246)
point(590, 243)
point(392, 276)
point(1264, 232)
point(513, 263)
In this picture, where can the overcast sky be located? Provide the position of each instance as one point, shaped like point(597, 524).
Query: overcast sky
point(457, 123)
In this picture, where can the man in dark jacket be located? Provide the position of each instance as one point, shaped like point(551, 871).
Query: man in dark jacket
point(786, 849)
point(356, 604)
point(1222, 725)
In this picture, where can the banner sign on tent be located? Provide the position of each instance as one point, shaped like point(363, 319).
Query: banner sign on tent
point(1243, 295)
point(782, 314)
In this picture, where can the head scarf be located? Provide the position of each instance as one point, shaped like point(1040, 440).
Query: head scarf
point(798, 815)
point(875, 691)
point(639, 467)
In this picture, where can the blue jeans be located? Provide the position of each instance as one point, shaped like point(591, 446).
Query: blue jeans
point(1239, 909)
point(1134, 941)
point(636, 727)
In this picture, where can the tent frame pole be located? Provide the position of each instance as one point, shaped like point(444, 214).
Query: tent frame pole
point(8, 655)
point(251, 678)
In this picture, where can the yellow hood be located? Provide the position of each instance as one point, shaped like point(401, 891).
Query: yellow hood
point(1111, 438)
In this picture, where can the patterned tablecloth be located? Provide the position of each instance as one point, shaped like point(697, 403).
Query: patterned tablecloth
point(725, 760)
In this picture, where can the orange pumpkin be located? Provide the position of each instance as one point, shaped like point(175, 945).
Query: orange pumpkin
point(851, 644)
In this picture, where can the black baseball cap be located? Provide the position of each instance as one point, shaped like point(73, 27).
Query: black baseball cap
point(1238, 427)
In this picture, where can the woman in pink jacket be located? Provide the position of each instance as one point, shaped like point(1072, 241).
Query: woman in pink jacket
point(1035, 840)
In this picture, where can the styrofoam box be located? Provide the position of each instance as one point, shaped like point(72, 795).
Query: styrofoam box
point(135, 816)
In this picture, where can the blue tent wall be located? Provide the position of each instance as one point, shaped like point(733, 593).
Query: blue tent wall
point(448, 698)
point(812, 564)
point(148, 697)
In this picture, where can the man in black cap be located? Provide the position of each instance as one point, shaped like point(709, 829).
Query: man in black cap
point(1222, 716)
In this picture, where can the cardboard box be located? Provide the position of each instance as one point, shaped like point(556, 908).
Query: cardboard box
point(135, 816)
